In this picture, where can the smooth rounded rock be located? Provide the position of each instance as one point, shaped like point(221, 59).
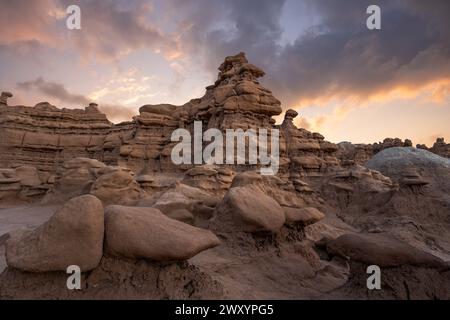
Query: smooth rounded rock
point(72, 236)
point(251, 210)
point(146, 233)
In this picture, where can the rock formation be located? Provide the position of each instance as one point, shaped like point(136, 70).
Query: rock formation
point(146, 233)
point(72, 236)
point(439, 147)
point(4, 98)
point(44, 136)
point(216, 231)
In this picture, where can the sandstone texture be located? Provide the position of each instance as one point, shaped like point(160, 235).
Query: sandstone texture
point(148, 234)
point(381, 250)
point(72, 236)
point(213, 231)
point(251, 210)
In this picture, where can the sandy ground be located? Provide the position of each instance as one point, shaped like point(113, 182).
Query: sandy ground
point(21, 217)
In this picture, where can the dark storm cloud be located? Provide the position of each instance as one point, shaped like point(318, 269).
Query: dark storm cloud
point(338, 55)
point(53, 90)
point(412, 48)
point(220, 28)
point(57, 91)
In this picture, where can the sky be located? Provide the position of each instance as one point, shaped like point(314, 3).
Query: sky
point(346, 81)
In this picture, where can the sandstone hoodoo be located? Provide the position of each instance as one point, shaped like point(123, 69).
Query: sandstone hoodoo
point(45, 137)
point(72, 236)
point(383, 251)
point(251, 210)
point(110, 199)
point(146, 233)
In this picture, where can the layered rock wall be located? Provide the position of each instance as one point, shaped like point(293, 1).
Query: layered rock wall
point(44, 136)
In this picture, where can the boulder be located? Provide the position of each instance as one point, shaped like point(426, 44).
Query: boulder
point(176, 206)
point(9, 182)
point(303, 216)
point(116, 186)
point(251, 210)
point(245, 178)
point(198, 195)
point(29, 176)
point(381, 250)
point(410, 166)
point(206, 170)
point(74, 178)
point(72, 236)
point(146, 233)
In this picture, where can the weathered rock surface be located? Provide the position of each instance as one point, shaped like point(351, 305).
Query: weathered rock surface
point(176, 206)
point(73, 178)
point(268, 225)
point(111, 184)
point(29, 176)
point(359, 154)
point(250, 210)
point(45, 137)
point(116, 185)
point(439, 147)
point(72, 236)
point(304, 216)
point(115, 279)
point(146, 233)
point(383, 251)
point(410, 166)
point(397, 283)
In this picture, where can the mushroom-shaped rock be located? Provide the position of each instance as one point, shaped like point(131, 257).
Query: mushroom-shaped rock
point(45, 106)
point(28, 175)
point(204, 170)
point(246, 178)
point(291, 114)
point(250, 210)
point(176, 206)
point(4, 97)
point(116, 186)
point(381, 250)
point(303, 216)
point(72, 236)
point(146, 233)
point(92, 108)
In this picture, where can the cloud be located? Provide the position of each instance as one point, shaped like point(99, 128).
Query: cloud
point(58, 91)
point(344, 59)
point(53, 90)
point(336, 57)
point(112, 29)
point(109, 29)
point(28, 21)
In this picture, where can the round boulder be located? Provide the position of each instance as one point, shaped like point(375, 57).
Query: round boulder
point(251, 210)
point(72, 236)
point(146, 233)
